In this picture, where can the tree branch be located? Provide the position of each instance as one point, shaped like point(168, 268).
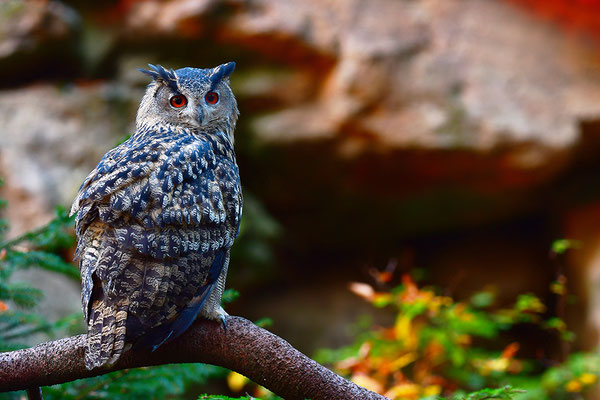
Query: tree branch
point(243, 347)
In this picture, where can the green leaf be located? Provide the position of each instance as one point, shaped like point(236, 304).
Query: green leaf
point(22, 294)
point(560, 246)
point(45, 260)
point(264, 322)
point(229, 296)
point(483, 299)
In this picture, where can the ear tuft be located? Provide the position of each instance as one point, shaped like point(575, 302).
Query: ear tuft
point(160, 74)
point(221, 72)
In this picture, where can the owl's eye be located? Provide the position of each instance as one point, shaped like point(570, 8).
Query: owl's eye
point(211, 98)
point(178, 101)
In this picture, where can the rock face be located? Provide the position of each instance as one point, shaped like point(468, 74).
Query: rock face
point(425, 75)
point(485, 79)
point(367, 127)
point(36, 37)
point(50, 139)
point(485, 89)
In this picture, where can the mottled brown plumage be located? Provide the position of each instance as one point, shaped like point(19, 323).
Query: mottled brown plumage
point(157, 217)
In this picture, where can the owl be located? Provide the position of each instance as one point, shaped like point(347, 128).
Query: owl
point(156, 219)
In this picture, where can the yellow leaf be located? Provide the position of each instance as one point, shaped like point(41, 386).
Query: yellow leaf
point(367, 382)
point(403, 391)
point(492, 365)
point(432, 390)
point(236, 382)
point(403, 330)
point(558, 288)
point(381, 299)
point(403, 361)
point(587, 378)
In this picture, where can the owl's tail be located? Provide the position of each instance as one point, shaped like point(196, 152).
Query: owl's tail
point(106, 334)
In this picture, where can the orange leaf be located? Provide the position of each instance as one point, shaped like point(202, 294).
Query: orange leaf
point(510, 350)
point(412, 291)
point(3, 306)
point(573, 386)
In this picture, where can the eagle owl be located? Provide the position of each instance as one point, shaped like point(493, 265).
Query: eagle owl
point(157, 216)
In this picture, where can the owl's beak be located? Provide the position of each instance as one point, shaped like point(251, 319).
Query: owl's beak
point(199, 114)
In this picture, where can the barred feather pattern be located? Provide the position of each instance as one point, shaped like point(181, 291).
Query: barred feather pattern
point(152, 218)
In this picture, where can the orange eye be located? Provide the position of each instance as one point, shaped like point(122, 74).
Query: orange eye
point(178, 101)
point(211, 98)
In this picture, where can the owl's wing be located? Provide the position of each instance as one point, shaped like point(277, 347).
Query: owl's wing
point(120, 168)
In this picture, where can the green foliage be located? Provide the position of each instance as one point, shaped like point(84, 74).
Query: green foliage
point(151, 383)
point(580, 371)
point(505, 393)
point(439, 346)
point(41, 249)
point(55, 236)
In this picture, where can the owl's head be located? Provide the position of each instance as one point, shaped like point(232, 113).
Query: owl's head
point(192, 98)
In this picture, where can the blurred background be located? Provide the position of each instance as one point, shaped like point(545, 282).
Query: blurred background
point(452, 145)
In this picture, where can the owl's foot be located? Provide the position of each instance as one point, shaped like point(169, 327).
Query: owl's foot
point(218, 314)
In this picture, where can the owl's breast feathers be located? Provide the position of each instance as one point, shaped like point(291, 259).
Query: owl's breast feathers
point(155, 221)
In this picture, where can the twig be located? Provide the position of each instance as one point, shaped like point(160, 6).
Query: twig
point(35, 393)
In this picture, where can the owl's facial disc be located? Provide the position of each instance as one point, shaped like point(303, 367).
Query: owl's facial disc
point(192, 98)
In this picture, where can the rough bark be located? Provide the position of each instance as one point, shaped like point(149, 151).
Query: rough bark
point(243, 347)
